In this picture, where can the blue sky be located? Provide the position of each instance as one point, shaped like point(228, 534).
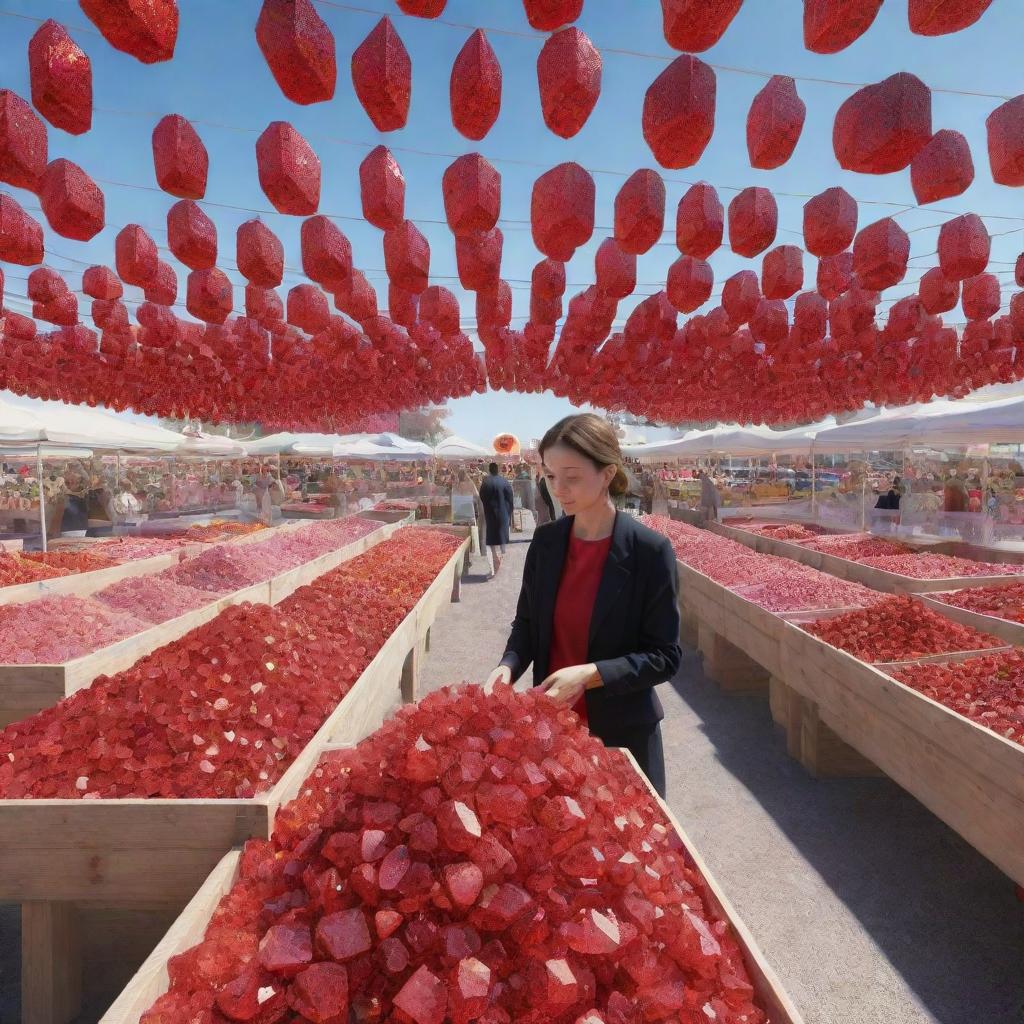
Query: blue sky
point(219, 80)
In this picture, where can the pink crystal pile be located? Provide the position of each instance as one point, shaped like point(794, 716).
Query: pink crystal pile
point(72, 561)
point(479, 858)
point(1002, 602)
point(154, 598)
point(935, 567)
point(54, 630)
point(224, 711)
point(15, 570)
point(128, 549)
point(857, 546)
point(783, 531)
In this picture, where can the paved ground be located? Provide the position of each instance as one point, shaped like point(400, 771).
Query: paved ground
point(870, 910)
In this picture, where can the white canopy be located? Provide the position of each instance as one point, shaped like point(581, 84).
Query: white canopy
point(454, 448)
point(660, 449)
point(384, 448)
point(322, 446)
point(211, 446)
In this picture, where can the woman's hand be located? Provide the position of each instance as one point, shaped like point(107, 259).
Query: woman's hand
point(502, 674)
point(567, 684)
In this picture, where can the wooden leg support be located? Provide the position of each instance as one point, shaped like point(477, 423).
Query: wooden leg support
point(411, 672)
point(457, 587)
point(688, 627)
point(51, 963)
point(426, 642)
point(727, 665)
point(778, 701)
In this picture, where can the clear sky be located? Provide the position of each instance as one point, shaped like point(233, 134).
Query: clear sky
point(219, 80)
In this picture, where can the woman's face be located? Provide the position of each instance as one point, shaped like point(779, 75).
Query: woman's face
point(574, 480)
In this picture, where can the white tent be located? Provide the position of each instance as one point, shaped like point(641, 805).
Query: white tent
point(997, 422)
point(891, 429)
point(455, 448)
point(210, 446)
point(659, 449)
point(384, 448)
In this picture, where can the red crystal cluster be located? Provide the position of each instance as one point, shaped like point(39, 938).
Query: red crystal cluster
point(72, 561)
point(223, 711)
point(128, 549)
point(479, 858)
point(933, 567)
point(783, 531)
point(1002, 602)
point(857, 546)
point(212, 533)
point(154, 598)
point(15, 570)
point(987, 690)
point(898, 628)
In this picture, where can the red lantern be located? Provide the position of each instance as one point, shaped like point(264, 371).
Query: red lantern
point(162, 288)
point(146, 29)
point(882, 127)
point(964, 247)
point(696, 25)
point(61, 79)
point(71, 200)
point(180, 158)
point(298, 48)
point(1006, 142)
point(835, 275)
point(740, 296)
point(774, 123)
point(830, 222)
point(548, 279)
point(640, 212)
point(402, 306)
point(548, 15)
point(810, 316)
point(700, 221)
point(770, 323)
point(831, 25)
point(357, 298)
point(382, 76)
point(23, 146)
point(753, 221)
point(472, 194)
point(209, 295)
point(904, 318)
point(939, 17)
point(289, 170)
point(422, 8)
point(263, 304)
point(382, 189)
point(937, 293)
point(407, 257)
point(110, 315)
point(21, 237)
point(440, 309)
point(18, 327)
point(259, 254)
point(63, 310)
point(474, 91)
point(562, 210)
point(191, 235)
point(478, 259)
point(102, 283)
point(679, 112)
point(45, 284)
point(326, 253)
point(689, 283)
point(134, 255)
point(614, 270)
point(782, 272)
point(569, 77)
point(880, 254)
point(943, 168)
point(494, 307)
point(981, 297)
point(308, 309)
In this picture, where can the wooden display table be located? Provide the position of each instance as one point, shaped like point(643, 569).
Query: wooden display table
point(151, 980)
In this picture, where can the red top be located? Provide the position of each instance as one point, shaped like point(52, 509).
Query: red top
point(574, 606)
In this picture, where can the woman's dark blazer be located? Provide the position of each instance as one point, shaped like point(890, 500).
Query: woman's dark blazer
point(634, 629)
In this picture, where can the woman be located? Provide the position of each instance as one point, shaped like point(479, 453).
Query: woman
point(465, 500)
point(597, 614)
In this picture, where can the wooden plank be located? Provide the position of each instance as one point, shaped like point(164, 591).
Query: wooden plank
point(767, 987)
point(50, 939)
point(1011, 632)
point(728, 666)
point(778, 700)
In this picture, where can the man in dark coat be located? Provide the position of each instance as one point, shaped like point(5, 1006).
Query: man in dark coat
point(498, 501)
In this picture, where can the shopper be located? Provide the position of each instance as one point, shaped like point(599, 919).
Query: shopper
point(543, 506)
point(708, 496)
point(498, 501)
point(597, 614)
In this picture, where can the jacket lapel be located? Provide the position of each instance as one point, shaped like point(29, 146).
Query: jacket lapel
point(615, 575)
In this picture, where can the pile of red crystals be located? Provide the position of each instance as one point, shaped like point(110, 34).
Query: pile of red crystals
point(15, 570)
point(479, 858)
point(53, 630)
point(1002, 602)
point(211, 533)
point(154, 598)
point(936, 567)
point(72, 561)
point(224, 711)
point(987, 690)
point(857, 546)
point(784, 531)
point(128, 549)
point(396, 505)
point(898, 628)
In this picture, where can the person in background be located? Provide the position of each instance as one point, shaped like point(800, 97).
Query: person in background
point(708, 496)
point(954, 494)
point(498, 501)
point(891, 499)
point(543, 506)
point(465, 499)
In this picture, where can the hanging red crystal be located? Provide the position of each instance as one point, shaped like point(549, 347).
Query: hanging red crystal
point(407, 257)
point(474, 91)
point(191, 235)
point(326, 253)
point(162, 287)
point(298, 48)
point(937, 293)
point(382, 189)
point(940, 17)
point(614, 270)
point(679, 112)
point(289, 170)
point(263, 304)
point(753, 221)
point(472, 194)
point(696, 25)
point(259, 254)
point(689, 283)
point(102, 283)
point(830, 222)
point(981, 297)
point(1006, 142)
point(569, 78)
point(810, 316)
point(61, 78)
point(562, 210)
point(832, 25)
point(770, 323)
point(45, 284)
point(209, 295)
point(835, 275)
point(135, 255)
point(478, 258)
point(548, 279)
point(882, 127)
point(774, 123)
point(740, 296)
point(640, 211)
point(357, 298)
point(180, 158)
point(382, 76)
point(422, 8)
point(495, 306)
point(21, 237)
point(308, 309)
point(880, 254)
point(943, 168)
point(402, 306)
point(72, 202)
point(549, 15)
point(23, 145)
point(700, 221)
point(440, 309)
point(782, 272)
point(964, 247)
point(146, 29)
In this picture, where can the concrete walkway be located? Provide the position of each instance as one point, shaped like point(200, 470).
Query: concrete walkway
point(870, 909)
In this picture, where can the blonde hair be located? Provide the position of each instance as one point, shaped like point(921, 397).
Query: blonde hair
point(594, 438)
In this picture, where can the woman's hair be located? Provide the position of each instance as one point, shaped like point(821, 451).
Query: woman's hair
point(592, 437)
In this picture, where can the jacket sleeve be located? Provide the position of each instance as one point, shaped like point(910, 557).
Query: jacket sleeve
point(659, 655)
point(519, 648)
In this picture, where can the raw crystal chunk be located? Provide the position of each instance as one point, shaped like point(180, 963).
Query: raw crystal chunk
point(72, 201)
point(146, 29)
point(696, 25)
point(423, 998)
point(562, 211)
point(209, 296)
point(382, 76)
point(289, 170)
point(259, 254)
point(463, 882)
point(458, 826)
point(382, 189)
point(569, 78)
point(679, 112)
point(23, 145)
point(320, 993)
point(640, 212)
point(472, 194)
point(135, 255)
point(753, 221)
point(286, 949)
point(180, 158)
point(61, 78)
point(343, 935)
point(475, 88)
point(191, 235)
point(298, 48)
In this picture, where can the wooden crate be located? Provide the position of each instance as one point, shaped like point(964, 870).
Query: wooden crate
point(12, 545)
point(59, 855)
point(1011, 632)
point(152, 980)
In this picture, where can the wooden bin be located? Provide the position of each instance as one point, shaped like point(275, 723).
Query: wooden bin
point(151, 981)
point(62, 860)
point(1005, 629)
